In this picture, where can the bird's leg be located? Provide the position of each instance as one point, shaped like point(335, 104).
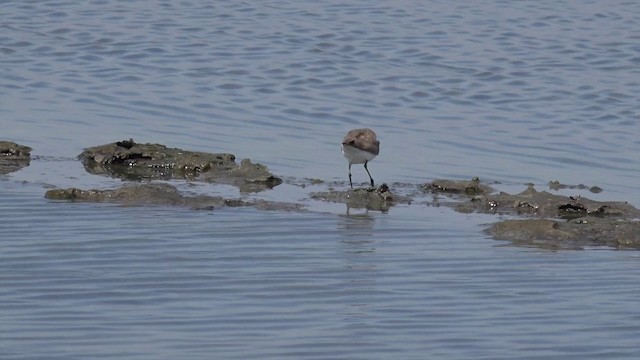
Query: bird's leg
point(350, 183)
point(370, 178)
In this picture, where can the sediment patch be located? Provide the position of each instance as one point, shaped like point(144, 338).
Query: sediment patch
point(13, 157)
point(129, 160)
point(150, 194)
point(372, 198)
point(540, 218)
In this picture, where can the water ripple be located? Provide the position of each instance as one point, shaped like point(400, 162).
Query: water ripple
point(510, 91)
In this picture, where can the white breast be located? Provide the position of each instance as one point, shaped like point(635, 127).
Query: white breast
point(355, 155)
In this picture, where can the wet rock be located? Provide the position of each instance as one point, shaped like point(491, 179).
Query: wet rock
point(371, 198)
point(132, 161)
point(576, 233)
point(248, 177)
point(130, 194)
point(161, 194)
point(13, 157)
point(472, 187)
point(550, 220)
point(556, 185)
point(129, 160)
point(543, 204)
point(585, 222)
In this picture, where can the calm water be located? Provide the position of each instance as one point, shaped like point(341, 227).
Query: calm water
point(514, 92)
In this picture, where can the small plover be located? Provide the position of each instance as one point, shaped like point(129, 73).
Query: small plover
point(359, 147)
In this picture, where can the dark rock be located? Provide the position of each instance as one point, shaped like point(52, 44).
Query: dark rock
point(130, 194)
point(472, 187)
point(543, 204)
point(380, 198)
point(249, 177)
point(129, 160)
point(147, 194)
point(576, 233)
point(13, 157)
point(586, 222)
point(556, 185)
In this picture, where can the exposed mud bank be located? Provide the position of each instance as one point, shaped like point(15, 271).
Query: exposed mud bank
point(532, 203)
point(162, 194)
point(573, 234)
point(370, 198)
point(458, 187)
point(556, 185)
point(129, 160)
point(542, 218)
point(13, 157)
point(556, 221)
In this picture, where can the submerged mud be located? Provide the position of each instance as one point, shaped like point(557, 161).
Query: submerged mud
point(161, 194)
point(539, 218)
point(13, 157)
point(370, 198)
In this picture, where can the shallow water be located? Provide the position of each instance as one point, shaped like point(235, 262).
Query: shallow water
point(85, 280)
point(510, 92)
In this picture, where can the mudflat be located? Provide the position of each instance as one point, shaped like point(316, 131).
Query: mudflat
point(538, 218)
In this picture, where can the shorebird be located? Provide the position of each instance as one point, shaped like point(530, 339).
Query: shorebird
point(360, 146)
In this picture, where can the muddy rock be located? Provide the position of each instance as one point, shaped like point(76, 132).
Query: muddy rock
point(545, 219)
point(371, 198)
point(556, 185)
point(130, 194)
point(13, 157)
point(129, 160)
point(572, 234)
point(472, 187)
point(248, 177)
point(147, 194)
point(559, 221)
point(543, 204)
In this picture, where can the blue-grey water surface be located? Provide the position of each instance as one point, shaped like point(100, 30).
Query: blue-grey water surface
point(512, 92)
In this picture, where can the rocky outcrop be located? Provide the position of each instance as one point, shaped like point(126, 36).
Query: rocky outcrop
point(471, 187)
point(559, 221)
point(129, 160)
point(370, 198)
point(13, 157)
point(536, 218)
point(543, 204)
point(151, 194)
point(575, 233)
